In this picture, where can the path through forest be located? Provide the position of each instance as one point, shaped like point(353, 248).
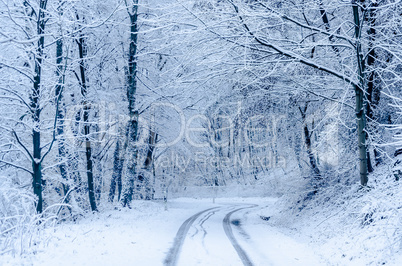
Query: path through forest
point(189, 232)
point(229, 235)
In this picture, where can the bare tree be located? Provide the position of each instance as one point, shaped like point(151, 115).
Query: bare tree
point(132, 151)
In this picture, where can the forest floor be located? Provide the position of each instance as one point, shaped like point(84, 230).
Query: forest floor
point(194, 232)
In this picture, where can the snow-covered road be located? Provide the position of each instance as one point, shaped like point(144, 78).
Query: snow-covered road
point(190, 232)
point(205, 243)
point(232, 234)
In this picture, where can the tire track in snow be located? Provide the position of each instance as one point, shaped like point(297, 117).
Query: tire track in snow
point(201, 223)
point(171, 258)
point(229, 233)
point(203, 220)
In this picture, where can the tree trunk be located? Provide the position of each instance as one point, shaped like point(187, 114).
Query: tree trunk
point(360, 108)
point(36, 109)
point(131, 163)
point(88, 149)
point(373, 91)
point(118, 164)
point(307, 141)
point(117, 170)
point(148, 166)
point(132, 151)
point(153, 137)
point(60, 113)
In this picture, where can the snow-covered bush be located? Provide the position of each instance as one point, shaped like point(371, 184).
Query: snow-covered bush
point(19, 223)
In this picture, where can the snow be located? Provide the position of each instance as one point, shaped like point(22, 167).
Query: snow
point(271, 246)
point(116, 237)
point(267, 232)
point(144, 235)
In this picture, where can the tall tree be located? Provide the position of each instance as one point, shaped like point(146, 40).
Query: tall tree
point(373, 88)
point(132, 151)
point(60, 109)
point(360, 98)
point(36, 108)
point(82, 49)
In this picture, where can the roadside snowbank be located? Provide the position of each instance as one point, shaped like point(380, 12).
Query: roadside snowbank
point(347, 225)
point(139, 236)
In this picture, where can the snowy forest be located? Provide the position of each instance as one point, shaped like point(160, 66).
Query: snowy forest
point(129, 107)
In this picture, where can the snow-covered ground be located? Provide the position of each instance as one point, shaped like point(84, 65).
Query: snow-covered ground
point(145, 234)
point(262, 228)
point(138, 236)
point(344, 223)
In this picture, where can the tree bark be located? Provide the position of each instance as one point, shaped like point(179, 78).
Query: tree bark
point(132, 151)
point(117, 170)
point(373, 91)
point(60, 113)
point(148, 166)
point(86, 108)
point(360, 108)
point(307, 141)
point(131, 163)
point(36, 109)
point(153, 137)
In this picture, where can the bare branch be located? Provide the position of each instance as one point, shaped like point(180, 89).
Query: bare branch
point(22, 145)
point(292, 55)
point(305, 25)
point(17, 70)
point(18, 96)
point(16, 166)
